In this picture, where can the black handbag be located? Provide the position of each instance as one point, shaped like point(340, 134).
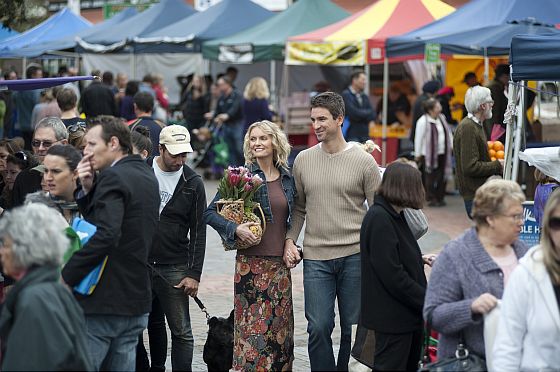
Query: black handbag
point(463, 361)
point(363, 349)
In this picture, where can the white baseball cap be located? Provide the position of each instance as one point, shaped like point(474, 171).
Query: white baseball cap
point(176, 139)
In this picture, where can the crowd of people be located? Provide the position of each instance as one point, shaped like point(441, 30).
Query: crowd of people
point(128, 177)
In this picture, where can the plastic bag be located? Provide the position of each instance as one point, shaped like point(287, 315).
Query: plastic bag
point(545, 159)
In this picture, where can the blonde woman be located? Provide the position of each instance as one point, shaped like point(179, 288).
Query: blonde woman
point(529, 329)
point(255, 102)
point(263, 321)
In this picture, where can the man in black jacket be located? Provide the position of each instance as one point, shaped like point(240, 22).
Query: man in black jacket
point(98, 99)
point(358, 108)
point(177, 254)
point(122, 201)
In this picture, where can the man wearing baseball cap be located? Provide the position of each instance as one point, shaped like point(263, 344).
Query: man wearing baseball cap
point(177, 253)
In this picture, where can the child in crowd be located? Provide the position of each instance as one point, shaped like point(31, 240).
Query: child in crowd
point(546, 185)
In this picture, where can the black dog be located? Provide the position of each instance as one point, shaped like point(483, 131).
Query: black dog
point(218, 349)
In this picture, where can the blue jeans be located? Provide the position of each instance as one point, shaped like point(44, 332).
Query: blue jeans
point(175, 305)
point(323, 282)
point(233, 137)
point(112, 340)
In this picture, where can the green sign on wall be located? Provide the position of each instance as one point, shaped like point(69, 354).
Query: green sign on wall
point(432, 53)
point(110, 10)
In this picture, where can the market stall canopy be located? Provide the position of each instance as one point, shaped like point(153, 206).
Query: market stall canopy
point(474, 15)
point(266, 41)
point(69, 42)
point(360, 39)
point(57, 26)
point(43, 83)
point(156, 17)
point(487, 41)
point(535, 57)
point(223, 19)
point(6, 33)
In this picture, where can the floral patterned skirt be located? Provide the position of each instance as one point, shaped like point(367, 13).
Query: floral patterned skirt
point(264, 320)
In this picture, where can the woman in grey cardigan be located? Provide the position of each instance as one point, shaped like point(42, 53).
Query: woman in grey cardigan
point(469, 275)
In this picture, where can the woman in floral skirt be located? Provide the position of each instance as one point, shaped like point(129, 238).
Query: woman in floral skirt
point(264, 323)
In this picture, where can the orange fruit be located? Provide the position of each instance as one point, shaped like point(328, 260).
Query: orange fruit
point(492, 153)
point(498, 146)
point(490, 144)
point(493, 159)
point(499, 154)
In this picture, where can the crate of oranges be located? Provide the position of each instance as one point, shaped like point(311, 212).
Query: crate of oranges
point(496, 150)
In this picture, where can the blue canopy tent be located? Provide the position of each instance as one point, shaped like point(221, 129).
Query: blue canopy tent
point(69, 42)
point(535, 57)
point(486, 41)
point(57, 26)
point(6, 33)
point(156, 17)
point(223, 19)
point(474, 15)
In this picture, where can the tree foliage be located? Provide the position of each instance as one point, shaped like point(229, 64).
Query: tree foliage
point(20, 15)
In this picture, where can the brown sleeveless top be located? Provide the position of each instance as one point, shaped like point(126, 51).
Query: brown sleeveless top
point(272, 242)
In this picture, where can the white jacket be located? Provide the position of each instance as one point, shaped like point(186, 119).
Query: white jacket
point(528, 337)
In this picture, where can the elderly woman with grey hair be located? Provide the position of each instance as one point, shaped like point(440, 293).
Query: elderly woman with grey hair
point(469, 275)
point(42, 327)
point(470, 145)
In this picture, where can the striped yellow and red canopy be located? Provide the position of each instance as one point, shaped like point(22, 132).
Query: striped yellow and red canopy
point(345, 42)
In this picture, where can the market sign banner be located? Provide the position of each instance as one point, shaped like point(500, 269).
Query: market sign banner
point(241, 53)
point(432, 53)
point(337, 53)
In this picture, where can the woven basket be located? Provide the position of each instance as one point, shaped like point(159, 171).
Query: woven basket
point(234, 210)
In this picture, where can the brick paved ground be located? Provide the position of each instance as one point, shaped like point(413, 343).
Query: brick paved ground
point(216, 287)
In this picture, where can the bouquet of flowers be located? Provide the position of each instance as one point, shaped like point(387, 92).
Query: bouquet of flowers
point(237, 189)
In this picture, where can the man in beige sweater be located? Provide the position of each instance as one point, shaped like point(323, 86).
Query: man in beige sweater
point(333, 180)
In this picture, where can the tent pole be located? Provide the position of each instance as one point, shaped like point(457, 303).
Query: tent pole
point(512, 94)
point(287, 77)
point(486, 67)
point(23, 69)
point(518, 133)
point(385, 107)
point(366, 72)
point(273, 94)
point(132, 65)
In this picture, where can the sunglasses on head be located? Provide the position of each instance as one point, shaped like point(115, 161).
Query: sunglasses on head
point(21, 155)
point(554, 223)
point(76, 127)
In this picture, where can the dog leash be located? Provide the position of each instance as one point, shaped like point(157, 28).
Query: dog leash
point(196, 299)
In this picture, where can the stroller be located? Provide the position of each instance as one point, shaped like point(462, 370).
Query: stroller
point(209, 148)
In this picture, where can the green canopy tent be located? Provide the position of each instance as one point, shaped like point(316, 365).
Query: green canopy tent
point(266, 41)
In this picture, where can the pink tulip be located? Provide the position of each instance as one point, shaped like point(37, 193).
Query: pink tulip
point(256, 180)
point(234, 179)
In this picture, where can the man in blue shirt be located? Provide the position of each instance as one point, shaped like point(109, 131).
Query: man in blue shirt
point(358, 108)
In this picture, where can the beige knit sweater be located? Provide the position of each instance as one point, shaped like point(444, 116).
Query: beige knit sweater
point(331, 191)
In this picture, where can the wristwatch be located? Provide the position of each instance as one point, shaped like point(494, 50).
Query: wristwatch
point(300, 251)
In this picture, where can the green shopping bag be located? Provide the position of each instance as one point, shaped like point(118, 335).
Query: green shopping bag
point(221, 152)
